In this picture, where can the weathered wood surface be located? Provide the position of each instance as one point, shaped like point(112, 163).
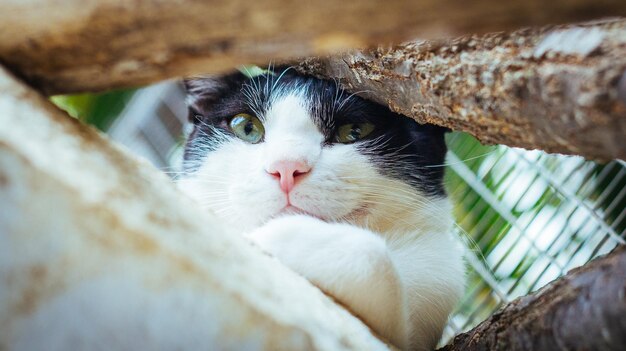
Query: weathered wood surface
point(584, 310)
point(86, 45)
point(100, 251)
point(560, 89)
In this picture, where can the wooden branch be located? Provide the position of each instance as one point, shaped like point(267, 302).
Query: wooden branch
point(99, 251)
point(560, 89)
point(85, 45)
point(584, 310)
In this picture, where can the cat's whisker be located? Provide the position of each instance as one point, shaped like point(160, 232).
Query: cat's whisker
point(390, 190)
point(281, 76)
point(424, 209)
point(342, 104)
point(217, 196)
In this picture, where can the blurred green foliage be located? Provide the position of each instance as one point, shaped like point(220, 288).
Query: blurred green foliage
point(99, 110)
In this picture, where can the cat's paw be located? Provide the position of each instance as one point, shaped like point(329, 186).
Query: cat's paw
point(286, 237)
point(344, 261)
point(321, 251)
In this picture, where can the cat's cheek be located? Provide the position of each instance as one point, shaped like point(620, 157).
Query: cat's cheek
point(337, 186)
point(241, 192)
point(326, 199)
point(258, 200)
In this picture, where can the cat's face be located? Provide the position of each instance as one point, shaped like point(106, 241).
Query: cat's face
point(285, 143)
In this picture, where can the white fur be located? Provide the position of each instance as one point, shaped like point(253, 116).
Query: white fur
point(374, 243)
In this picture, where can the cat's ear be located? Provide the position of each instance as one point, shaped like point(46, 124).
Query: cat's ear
point(204, 91)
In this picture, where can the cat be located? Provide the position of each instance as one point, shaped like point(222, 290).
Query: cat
point(340, 189)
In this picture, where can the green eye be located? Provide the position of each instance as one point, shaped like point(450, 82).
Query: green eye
point(349, 133)
point(247, 128)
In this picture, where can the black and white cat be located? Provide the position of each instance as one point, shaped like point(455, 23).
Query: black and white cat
point(340, 189)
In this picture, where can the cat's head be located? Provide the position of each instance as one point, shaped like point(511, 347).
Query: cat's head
point(283, 143)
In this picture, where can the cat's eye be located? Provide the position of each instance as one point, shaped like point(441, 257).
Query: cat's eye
point(247, 128)
point(349, 133)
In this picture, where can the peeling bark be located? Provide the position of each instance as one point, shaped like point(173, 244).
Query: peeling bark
point(584, 310)
point(86, 45)
point(559, 89)
point(100, 251)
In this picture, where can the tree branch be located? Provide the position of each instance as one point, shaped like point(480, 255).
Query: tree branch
point(584, 310)
point(554, 88)
point(87, 45)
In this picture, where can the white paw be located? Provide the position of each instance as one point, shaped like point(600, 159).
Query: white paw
point(321, 251)
point(286, 237)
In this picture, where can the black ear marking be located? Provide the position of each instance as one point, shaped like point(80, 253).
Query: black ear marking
point(204, 91)
point(208, 85)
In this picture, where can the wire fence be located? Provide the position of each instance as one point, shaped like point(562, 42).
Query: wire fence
point(525, 217)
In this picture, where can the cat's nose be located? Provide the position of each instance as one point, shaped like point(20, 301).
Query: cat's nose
point(288, 173)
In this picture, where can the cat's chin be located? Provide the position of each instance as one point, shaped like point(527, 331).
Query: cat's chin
point(293, 210)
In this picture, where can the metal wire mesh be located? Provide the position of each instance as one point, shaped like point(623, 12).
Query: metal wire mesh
point(525, 217)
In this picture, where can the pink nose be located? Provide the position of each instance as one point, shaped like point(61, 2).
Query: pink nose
point(288, 172)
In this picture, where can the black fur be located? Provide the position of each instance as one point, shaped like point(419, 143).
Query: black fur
point(399, 146)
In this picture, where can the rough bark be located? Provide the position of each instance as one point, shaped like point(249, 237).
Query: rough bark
point(99, 251)
point(560, 89)
point(80, 45)
point(584, 310)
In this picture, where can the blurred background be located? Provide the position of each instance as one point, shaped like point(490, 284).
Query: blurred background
point(525, 217)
